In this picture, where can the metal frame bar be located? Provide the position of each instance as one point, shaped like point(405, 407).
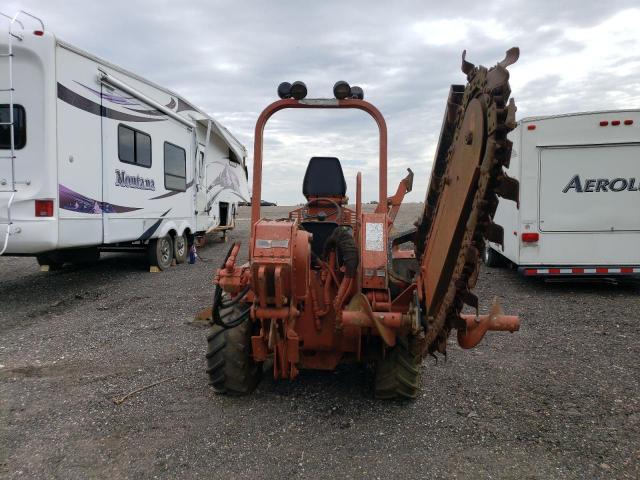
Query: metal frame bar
point(316, 103)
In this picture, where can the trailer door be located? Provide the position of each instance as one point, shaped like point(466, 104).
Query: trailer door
point(593, 188)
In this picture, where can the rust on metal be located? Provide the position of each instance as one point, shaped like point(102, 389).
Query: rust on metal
point(331, 284)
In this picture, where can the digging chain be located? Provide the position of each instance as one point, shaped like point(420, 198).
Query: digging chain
point(491, 87)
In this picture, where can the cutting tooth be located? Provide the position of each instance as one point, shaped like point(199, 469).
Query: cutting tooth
point(467, 67)
point(510, 120)
point(494, 233)
point(503, 153)
point(507, 187)
point(511, 57)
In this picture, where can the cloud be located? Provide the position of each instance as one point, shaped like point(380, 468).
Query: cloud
point(228, 57)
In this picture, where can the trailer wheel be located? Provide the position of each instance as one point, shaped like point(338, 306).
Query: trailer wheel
point(180, 248)
point(398, 373)
point(46, 259)
point(491, 258)
point(230, 365)
point(160, 252)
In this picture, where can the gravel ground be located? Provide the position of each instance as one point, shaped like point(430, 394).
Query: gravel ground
point(559, 399)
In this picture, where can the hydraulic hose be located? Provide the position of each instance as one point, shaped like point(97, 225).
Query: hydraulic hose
point(343, 242)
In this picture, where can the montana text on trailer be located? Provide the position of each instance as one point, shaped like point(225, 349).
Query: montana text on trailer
point(95, 158)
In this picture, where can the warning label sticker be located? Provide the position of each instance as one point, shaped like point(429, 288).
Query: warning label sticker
point(374, 237)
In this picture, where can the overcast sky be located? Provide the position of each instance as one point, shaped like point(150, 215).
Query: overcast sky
point(228, 57)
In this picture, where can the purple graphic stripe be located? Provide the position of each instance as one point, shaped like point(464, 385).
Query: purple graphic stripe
point(112, 98)
point(76, 202)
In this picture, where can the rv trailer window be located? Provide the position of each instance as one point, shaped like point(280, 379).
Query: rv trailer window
point(19, 128)
point(134, 146)
point(175, 167)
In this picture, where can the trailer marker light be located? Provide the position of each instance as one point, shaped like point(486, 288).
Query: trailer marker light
point(531, 127)
point(44, 208)
point(628, 122)
point(38, 33)
point(604, 123)
point(530, 237)
point(615, 123)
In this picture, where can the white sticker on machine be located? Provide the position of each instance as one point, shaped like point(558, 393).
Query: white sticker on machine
point(374, 237)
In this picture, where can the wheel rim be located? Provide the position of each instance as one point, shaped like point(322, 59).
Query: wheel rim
point(165, 251)
point(180, 246)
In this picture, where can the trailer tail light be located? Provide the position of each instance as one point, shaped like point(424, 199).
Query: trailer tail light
point(38, 33)
point(604, 123)
point(531, 127)
point(530, 237)
point(628, 122)
point(44, 208)
point(615, 123)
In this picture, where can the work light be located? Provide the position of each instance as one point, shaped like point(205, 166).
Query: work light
point(341, 90)
point(357, 93)
point(298, 90)
point(284, 90)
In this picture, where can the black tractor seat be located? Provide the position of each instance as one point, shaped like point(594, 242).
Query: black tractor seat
point(323, 178)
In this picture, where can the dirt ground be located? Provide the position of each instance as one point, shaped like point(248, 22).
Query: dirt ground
point(559, 399)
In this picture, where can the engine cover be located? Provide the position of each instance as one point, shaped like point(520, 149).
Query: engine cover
point(280, 262)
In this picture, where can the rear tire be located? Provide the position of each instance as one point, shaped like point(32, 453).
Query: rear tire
point(160, 252)
point(491, 258)
point(398, 373)
point(230, 364)
point(180, 248)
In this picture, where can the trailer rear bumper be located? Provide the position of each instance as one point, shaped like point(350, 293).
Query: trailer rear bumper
point(580, 271)
point(30, 237)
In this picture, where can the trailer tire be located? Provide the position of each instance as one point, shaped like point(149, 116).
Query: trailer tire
point(180, 248)
point(491, 258)
point(397, 375)
point(46, 259)
point(160, 252)
point(230, 364)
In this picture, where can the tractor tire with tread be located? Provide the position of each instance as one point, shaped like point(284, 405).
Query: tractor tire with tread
point(397, 375)
point(230, 365)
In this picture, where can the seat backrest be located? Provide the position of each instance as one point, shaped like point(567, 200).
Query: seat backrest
point(324, 178)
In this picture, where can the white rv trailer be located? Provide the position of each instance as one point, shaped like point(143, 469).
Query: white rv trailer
point(93, 157)
point(579, 209)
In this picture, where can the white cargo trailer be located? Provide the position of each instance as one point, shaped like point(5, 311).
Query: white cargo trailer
point(579, 202)
point(93, 157)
